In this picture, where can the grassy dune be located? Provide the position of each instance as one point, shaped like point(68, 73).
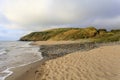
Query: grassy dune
point(59, 34)
point(113, 35)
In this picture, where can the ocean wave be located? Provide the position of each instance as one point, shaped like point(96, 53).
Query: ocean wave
point(17, 53)
point(3, 51)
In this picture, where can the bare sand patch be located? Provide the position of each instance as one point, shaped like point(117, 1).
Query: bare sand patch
point(97, 64)
point(58, 42)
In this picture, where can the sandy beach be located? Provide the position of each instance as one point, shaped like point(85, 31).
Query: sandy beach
point(100, 63)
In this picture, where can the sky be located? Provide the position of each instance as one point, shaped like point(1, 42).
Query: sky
point(20, 17)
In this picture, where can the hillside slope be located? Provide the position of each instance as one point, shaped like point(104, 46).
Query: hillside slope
point(72, 34)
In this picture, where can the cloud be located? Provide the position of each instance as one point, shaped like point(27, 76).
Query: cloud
point(10, 34)
point(18, 17)
point(109, 23)
point(36, 14)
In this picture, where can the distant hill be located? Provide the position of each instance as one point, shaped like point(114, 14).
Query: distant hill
point(73, 34)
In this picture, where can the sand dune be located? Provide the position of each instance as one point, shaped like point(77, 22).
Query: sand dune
point(98, 64)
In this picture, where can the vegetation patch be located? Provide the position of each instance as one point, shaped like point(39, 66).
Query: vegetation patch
point(96, 35)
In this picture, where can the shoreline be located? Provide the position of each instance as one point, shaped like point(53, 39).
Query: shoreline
point(23, 54)
point(12, 70)
point(47, 57)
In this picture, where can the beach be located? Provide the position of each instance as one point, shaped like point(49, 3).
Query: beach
point(98, 64)
point(78, 61)
point(14, 54)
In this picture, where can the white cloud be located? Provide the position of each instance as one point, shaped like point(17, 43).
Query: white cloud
point(33, 14)
point(18, 17)
point(42, 11)
point(57, 11)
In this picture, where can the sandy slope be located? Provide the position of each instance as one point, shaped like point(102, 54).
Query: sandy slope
point(98, 64)
point(58, 42)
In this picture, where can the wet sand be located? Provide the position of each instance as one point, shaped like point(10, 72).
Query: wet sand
point(21, 71)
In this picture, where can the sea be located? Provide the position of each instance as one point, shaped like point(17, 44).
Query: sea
point(16, 53)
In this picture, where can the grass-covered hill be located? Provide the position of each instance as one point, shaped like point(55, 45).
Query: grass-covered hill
point(98, 35)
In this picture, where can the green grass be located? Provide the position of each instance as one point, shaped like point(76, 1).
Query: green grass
point(100, 35)
point(108, 37)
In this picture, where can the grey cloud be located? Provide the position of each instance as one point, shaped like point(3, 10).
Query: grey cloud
point(36, 13)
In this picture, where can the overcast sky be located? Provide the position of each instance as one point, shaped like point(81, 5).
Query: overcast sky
point(19, 17)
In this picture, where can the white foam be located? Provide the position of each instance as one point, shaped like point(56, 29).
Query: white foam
point(3, 51)
point(9, 72)
point(17, 53)
point(26, 45)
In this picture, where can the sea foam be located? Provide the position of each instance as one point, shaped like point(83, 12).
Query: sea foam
point(16, 53)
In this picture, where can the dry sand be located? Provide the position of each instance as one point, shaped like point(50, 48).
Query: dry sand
point(98, 64)
point(101, 63)
point(58, 42)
